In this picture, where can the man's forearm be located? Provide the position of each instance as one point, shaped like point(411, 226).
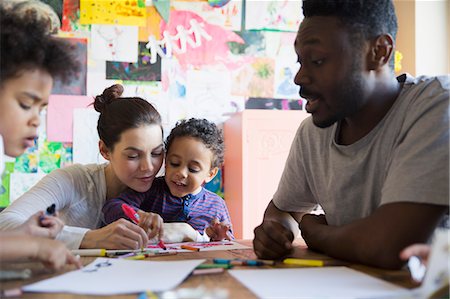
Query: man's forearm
point(288, 220)
point(375, 240)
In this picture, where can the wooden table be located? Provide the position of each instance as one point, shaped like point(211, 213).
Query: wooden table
point(211, 281)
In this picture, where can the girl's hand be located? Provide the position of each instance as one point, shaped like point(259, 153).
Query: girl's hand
point(152, 223)
point(53, 254)
point(218, 231)
point(41, 225)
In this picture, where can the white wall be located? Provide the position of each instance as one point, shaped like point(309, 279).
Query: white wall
point(432, 37)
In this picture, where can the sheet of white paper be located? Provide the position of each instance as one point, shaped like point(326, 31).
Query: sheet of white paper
point(115, 43)
point(328, 282)
point(437, 274)
point(107, 276)
point(85, 137)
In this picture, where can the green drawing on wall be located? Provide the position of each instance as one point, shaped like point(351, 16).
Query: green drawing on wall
point(4, 187)
point(50, 156)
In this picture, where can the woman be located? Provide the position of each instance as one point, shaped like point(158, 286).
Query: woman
point(131, 140)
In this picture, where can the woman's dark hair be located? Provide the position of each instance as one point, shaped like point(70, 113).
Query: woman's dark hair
point(26, 44)
point(366, 19)
point(206, 131)
point(118, 114)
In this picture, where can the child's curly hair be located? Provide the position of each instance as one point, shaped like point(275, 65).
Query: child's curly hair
point(26, 44)
point(206, 131)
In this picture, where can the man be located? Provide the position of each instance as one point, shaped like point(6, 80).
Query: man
point(375, 152)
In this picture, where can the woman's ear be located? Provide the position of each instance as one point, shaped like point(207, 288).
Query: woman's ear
point(382, 49)
point(212, 173)
point(104, 151)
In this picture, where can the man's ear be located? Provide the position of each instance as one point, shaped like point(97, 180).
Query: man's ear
point(381, 51)
point(104, 151)
point(212, 173)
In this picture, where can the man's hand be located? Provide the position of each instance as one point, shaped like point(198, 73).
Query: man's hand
point(272, 240)
point(308, 226)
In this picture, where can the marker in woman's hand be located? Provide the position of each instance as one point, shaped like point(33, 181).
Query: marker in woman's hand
point(130, 213)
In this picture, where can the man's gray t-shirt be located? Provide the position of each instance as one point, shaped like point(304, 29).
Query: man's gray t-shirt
point(405, 158)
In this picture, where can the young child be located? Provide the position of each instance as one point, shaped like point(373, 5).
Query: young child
point(195, 151)
point(29, 61)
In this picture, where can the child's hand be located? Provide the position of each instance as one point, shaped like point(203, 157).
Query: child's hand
point(41, 225)
point(217, 231)
point(152, 223)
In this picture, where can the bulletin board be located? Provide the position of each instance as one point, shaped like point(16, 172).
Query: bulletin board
point(206, 59)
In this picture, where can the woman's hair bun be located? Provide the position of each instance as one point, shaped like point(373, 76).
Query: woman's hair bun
point(108, 96)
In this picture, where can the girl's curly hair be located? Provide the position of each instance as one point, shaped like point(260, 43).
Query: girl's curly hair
point(26, 44)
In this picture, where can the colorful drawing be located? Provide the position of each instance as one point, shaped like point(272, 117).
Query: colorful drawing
point(254, 43)
point(284, 15)
point(50, 156)
point(77, 85)
point(4, 184)
point(114, 43)
point(28, 161)
point(70, 15)
point(117, 12)
point(142, 70)
point(262, 81)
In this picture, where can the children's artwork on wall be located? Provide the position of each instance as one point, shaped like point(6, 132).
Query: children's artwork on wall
point(21, 183)
point(151, 92)
point(96, 77)
point(173, 78)
point(50, 155)
point(153, 22)
point(114, 43)
point(85, 137)
point(262, 80)
point(77, 85)
point(284, 15)
point(60, 116)
point(193, 41)
point(254, 43)
point(208, 93)
point(5, 184)
point(117, 12)
point(142, 70)
point(228, 16)
point(28, 161)
point(273, 104)
point(70, 15)
point(284, 82)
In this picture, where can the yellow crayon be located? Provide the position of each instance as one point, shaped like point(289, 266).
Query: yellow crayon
point(135, 257)
point(303, 262)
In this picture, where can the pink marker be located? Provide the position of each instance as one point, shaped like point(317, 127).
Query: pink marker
point(130, 213)
point(162, 245)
